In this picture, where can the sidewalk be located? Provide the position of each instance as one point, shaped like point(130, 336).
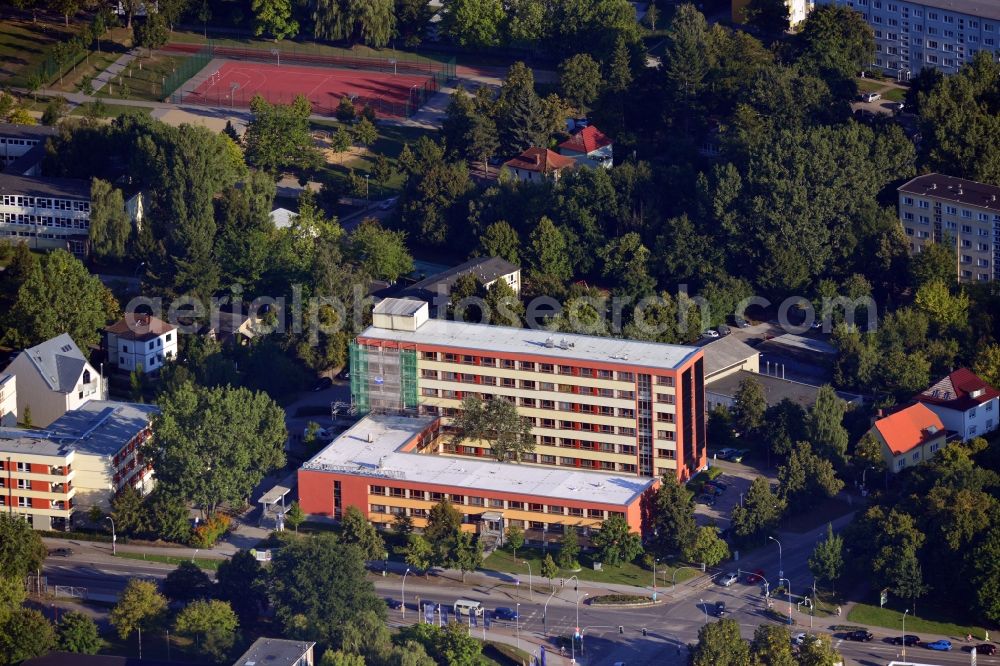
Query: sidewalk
point(113, 70)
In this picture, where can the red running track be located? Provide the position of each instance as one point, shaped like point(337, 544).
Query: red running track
point(322, 86)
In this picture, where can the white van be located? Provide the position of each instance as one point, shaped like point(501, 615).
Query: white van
point(870, 97)
point(467, 607)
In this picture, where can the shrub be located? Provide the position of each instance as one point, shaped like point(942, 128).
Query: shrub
point(210, 531)
point(620, 599)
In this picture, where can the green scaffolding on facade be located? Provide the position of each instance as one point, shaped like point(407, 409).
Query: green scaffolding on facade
point(383, 380)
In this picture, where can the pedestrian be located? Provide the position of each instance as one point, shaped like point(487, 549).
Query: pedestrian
point(838, 611)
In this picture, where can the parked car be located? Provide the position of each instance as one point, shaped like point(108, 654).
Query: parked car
point(712, 489)
point(896, 106)
point(344, 374)
point(860, 635)
point(941, 645)
point(728, 579)
point(61, 552)
point(754, 577)
point(870, 97)
point(987, 649)
point(706, 499)
point(723, 454)
point(505, 614)
point(717, 483)
point(424, 603)
point(394, 604)
point(736, 456)
point(908, 640)
point(710, 334)
point(720, 609)
point(724, 330)
point(323, 383)
point(741, 322)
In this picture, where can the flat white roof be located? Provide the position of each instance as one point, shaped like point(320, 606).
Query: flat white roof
point(353, 453)
point(498, 339)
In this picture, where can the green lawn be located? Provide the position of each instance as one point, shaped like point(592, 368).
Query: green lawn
point(23, 45)
point(390, 142)
point(891, 618)
point(204, 563)
point(890, 94)
point(112, 110)
point(628, 574)
point(143, 79)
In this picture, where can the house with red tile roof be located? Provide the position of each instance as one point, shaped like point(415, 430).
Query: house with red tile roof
point(538, 164)
point(964, 402)
point(910, 436)
point(589, 147)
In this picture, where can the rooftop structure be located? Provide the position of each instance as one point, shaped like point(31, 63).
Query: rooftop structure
point(586, 141)
point(909, 428)
point(277, 652)
point(950, 188)
point(36, 186)
point(726, 353)
point(538, 164)
point(383, 446)
point(139, 327)
point(32, 132)
point(960, 390)
point(722, 391)
point(486, 270)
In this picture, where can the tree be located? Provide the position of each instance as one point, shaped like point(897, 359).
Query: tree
point(515, 537)
point(381, 251)
point(806, 479)
point(382, 171)
point(674, 527)
point(626, 260)
point(720, 644)
point(819, 651)
point(278, 136)
point(308, 606)
point(497, 423)
point(151, 33)
point(771, 16)
point(772, 646)
point(21, 549)
point(139, 607)
point(749, 407)
point(242, 582)
point(339, 658)
point(825, 425)
point(616, 543)
point(444, 524)
point(468, 553)
point(827, 560)
point(26, 634)
point(211, 623)
point(402, 524)
point(481, 140)
point(945, 310)
point(412, 17)
point(520, 119)
point(569, 548)
point(835, 42)
point(345, 113)
point(935, 263)
point(54, 111)
point(168, 517)
point(274, 18)
point(78, 633)
point(418, 552)
point(60, 295)
point(295, 516)
point(501, 240)
point(548, 255)
point(686, 60)
point(472, 22)
point(356, 529)
point(22, 263)
point(987, 364)
point(364, 133)
point(620, 68)
point(110, 226)
point(549, 568)
point(502, 305)
point(759, 514)
point(707, 547)
point(580, 80)
point(129, 512)
point(186, 583)
point(214, 445)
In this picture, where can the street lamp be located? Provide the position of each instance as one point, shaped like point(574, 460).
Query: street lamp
point(403, 591)
point(704, 608)
point(531, 593)
point(545, 611)
point(788, 589)
point(655, 560)
point(114, 536)
point(517, 624)
point(366, 191)
point(781, 568)
point(904, 633)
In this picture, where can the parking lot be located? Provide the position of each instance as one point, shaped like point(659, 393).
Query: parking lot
point(737, 477)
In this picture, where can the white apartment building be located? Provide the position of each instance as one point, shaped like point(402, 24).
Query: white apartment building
point(79, 461)
point(53, 378)
point(8, 400)
point(140, 342)
point(943, 34)
point(943, 209)
point(17, 140)
point(966, 404)
point(798, 10)
point(46, 213)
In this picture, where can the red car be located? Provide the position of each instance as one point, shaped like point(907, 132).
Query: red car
point(754, 577)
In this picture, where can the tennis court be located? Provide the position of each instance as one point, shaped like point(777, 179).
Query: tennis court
point(234, 84)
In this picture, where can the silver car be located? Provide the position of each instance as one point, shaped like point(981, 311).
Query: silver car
point(728, 579)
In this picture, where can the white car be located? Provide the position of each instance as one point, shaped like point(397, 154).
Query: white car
point(799, 638)
point(710, 333)
point(388, 203)
point(870, 97)
point(728, 579)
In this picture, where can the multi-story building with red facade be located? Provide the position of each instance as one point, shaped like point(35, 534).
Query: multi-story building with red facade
point(605, 413)
point(79, 461)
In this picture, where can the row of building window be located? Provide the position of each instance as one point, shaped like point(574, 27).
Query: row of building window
point(27, 503)
point(43, 202)
point(483, 502)
point(45, 221)
point(917, 12)
point(7, 141)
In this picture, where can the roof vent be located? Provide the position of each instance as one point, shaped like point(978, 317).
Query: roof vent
point(550, 343)
point(975, 393)
point(993, 197)
point(371, 437)
point(564, 344)
point(932, 429)
point(959, 190)
point(933, 186)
